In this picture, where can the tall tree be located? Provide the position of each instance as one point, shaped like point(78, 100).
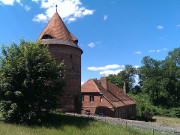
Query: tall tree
point(30, 82)
point(151, 75)
point(127, 76)
point(161, 79)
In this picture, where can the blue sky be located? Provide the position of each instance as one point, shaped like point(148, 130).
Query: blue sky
point(111, 33)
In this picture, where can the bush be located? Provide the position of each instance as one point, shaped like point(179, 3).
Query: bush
point(30, 82)
point(147, 115)
point(144, 103)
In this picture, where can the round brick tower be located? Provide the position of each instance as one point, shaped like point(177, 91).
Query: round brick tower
point(63, 46)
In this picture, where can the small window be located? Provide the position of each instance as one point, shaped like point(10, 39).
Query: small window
point(87, 112)
point(71, 56)
point(82, 98)
point(101, 99)
point(91, 98)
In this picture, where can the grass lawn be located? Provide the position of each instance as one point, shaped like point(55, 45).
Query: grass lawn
point(167, 121)
point(68, 125)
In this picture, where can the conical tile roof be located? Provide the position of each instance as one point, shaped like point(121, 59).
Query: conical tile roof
point(57, 29)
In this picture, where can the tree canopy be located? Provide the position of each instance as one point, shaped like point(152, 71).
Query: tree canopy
point(30, 82)
point(161, 79)
point(126, 75)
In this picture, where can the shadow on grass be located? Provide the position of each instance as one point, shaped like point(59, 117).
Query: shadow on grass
point(59, 121)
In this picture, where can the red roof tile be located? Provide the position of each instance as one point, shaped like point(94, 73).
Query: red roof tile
point(89, 86)
point(57, 29)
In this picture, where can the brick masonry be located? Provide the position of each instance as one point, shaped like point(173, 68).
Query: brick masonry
point(71, 99)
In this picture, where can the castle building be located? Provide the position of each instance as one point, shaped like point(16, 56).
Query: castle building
point(63, 46)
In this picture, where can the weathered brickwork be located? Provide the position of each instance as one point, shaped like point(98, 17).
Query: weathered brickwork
point(72, 60)
point(99, 106)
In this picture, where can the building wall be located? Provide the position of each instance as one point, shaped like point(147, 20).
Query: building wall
point(126, 112)
point(71, 99)
point(99, 106)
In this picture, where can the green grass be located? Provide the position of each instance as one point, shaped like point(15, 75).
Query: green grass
point(68, 125)
point(167, 121)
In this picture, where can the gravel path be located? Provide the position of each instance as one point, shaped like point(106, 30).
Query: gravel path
point(133, 123)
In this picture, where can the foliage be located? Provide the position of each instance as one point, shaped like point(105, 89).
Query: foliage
point(30, 82)
point(127, 76)
point(161, 79)
point(144, 103)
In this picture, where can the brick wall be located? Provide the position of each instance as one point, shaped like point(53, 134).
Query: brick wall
point(98, 106)
point(72, 92)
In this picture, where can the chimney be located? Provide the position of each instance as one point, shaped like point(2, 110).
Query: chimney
point(104, 82)
point(124, 88)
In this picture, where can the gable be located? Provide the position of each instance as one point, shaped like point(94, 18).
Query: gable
point(89, 86)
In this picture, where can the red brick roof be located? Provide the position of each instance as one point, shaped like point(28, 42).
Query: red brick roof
point(113, 94)
point(89, 86)
point(57, 29)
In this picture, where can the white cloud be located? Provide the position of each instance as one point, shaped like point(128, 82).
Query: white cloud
point(35, 1)
point(136, 66)
point(151, 51)
point(9, 2)
point(160, 27)
point(158, 51)
point(82, 82)
point(40, 18)
point(27, 8)
point(107, 67)
point(105, 17)
point(69, 10)
point(138, 52)
point(92, 45)
point(108, 72)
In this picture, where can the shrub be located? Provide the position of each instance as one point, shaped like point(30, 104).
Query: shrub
point(147, 115)
point(30, 82)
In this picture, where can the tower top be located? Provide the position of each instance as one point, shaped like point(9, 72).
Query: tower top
point(56, 29)
point(56, 8)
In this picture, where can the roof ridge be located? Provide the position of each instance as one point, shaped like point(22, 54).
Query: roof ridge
point(96, 84)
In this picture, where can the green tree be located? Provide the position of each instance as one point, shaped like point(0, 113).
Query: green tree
point(161, 79)
point(127, 76)
point(30, 82)
point(151, 75)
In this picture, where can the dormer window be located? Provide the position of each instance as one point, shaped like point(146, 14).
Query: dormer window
point(46, 36)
